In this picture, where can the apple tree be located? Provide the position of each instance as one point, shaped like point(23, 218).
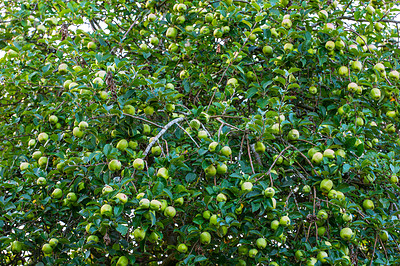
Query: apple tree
point(234, 132)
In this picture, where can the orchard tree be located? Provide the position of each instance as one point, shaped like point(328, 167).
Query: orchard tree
point(235, 132)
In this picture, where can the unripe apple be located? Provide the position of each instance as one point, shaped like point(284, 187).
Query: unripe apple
point(122, 144)
point(370, 9)
point(379, 26)
point(261, 243)
point(288, 47)
point(274, 225)
point(347, 217)
point(149, 110)
point(323, 14)
point(346, 233)
point(77, 132)
point(43, 137)
point(92, 238)
point(343, 71)
point(356, 65)
point(259, 147)
point(269, 192)
point(91, 45)
point(361, 40)
point(368, 204)
point(106, 210)
point(394, 75)
point(313, 90)
point(322, 255)
point(73, 85)
point(213, 145)
point(62, 68)
point(36, 155)
point(330, 45)
point(226, 151)
point(16, 246)
point(317, 158)
point(276, 129)
point(322, 215)
point(107, 189)
point(155, 205)
point(390, 128)
point(205, 238)
point(57, 193)
point(376, 93)
point(380, 68)
point(247, 187)
point(122, 261)
point(71, 197)
point(47, 249)
point(122, 197)
point(329, 153)
point(163, 172)
point(207, 215)
point(222, 168)
point(306, 189)
point(293, 134)
point(321, 230)
point(114, 165)
point(53, 242)
point(394, 179)
point(285, 221)
point(42, 161)
point(182, 248)
point(253, 253)
point(221, 197)
point(23, 166)
point(300, 255)
point(359, 121)
point(267, 50)
point(41, 181)
point(210, 170)
point(138, 164)
point(218, 33)
point(146, 129)
point(383, 234)
point(154, 41)
point(287, 23)
point(332, 194)
point(326, 185)
point(171, 32)
point(340, 44)
point(352, 86)
point(53, 119)
point(170, 212)
point(139, 234)
point(31, 143)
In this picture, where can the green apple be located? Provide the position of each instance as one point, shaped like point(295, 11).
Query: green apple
point(154, 41)
point(285, 220)
point(329, 153)
point(138, 164)
point(43, 137)
point(53, 119)
point(62, 68)
point(267, 50)
point(214, 219)
point(139, 234)
point(343, 71)
point(149, 110)
point(202, 134)
point(300, 255)
point(210, 170)
point(47, 249)
point(92, 238)
point(276, 129)
point(41, 181)
point(322, 215)
point(106, 210)
point(98, 81)
point(114, 165)
point(332, 194)
point(16, 246)
point(155, 205)
point(383, 234)
point(346, 233)
point(253, 253)
point(326, 185)
point(368, 204)
point(153, 237)
point(212, 146)
point(129, 109)
point(77, 68)
point(53, 242)
point(293, 134)
point(91, 45)
point(57, 193)
point(390, 128)
point(36, 155)
point(144, 203)
point(356, 65)
point(259, 147)
point(375, 94)
point(71, 197)
point(394, 179)
point(107, 189)
point(288, 47)
point(122, 197)
point(317, 158)
point(221, 197)
point(286, 23)
point(330, 45)
point(170, 212)
point(182, 248)
point(73, 85)
point(23, 166)
point(205, 238)
point(322, 255)
point(195, 124)
point(394, 75)
point(340, 44)
point(77, 132)
point(207, 215)
point(391, 114)
point(269, 192)
point(321, 230)
point(31, 143)
point(380, 68)
point(226, 151)
point(222, 168)
point(261, 243)
point(171, 32)
point(306, 189)
point(313, 90)
point(275, 225)
point(122, 261)
point(247, 186)
point(163, 172)
point(156, 150)
point(122, 144)
point(132, 144)
point(347, 217)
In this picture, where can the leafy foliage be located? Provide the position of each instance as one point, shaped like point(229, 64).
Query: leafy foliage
point(214, 133)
